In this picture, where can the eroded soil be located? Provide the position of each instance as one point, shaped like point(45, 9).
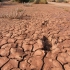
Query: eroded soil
point(38, 41)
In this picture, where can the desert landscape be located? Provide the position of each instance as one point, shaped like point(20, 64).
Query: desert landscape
point(34, 36)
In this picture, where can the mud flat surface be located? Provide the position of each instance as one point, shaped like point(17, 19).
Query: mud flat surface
point(38, 41)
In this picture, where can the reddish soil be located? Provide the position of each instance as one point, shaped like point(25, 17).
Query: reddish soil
point(38, 41)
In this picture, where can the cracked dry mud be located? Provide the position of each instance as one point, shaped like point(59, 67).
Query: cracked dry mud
point(40, 42)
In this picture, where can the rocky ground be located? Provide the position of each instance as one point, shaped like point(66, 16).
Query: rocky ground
point(38, 40)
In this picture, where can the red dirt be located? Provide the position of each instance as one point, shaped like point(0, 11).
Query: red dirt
point(38, 41)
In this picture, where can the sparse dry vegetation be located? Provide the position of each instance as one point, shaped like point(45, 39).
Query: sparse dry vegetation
point(34, 1)
point(66, 1)
point(15, 14)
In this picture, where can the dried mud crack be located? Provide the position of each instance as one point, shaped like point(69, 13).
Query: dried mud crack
point(46, 47)
point(38, 41)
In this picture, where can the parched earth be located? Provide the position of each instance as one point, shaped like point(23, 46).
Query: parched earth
point(40, 40)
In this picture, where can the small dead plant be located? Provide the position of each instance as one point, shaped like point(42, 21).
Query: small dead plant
point(16, 14)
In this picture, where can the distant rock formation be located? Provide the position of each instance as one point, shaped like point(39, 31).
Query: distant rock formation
point(40, 1)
